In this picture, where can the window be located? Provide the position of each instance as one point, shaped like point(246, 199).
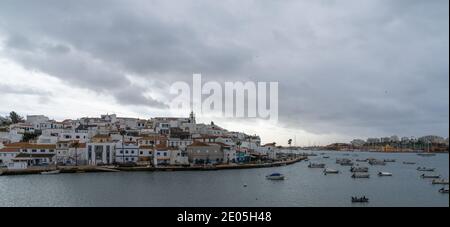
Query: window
point(158, 153)
point(24, 150)
point(42, 150)
point(132, 151)
point(141, 153)
point(52, 151)
point(33, 150)
point(121, 151)
point(126, 151)
point(165, 153)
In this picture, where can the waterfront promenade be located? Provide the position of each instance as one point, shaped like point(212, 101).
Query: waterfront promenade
point(87, 169)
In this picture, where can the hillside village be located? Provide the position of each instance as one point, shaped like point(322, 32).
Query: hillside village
point(112, 140)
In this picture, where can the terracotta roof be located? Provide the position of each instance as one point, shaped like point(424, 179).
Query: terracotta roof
point(198, 144)
point(101, 136)
point(221, 144)
point(9, 149)
point(146, 147)
point(161, 147)
point(23, 145)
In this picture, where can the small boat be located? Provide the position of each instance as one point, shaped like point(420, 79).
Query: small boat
point(375, 162)
point(326, 156)
point(431, 176)
point(51, 172)
point(361, 160)
point(409, 163)
point(443, 190)
point(316, 165)
point(360, 175)
point(360, 200)
point(424, 169)
point(359, 169)
point(389, 160)
point(275, 176)
point(330, 171)
point(381, 174)
point(343, 160)
point(440, 181)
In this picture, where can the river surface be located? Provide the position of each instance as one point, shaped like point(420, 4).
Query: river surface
point(303, 186)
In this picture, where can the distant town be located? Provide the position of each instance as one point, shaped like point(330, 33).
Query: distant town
point(36, 141)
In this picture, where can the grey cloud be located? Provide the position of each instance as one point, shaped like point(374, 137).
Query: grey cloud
point(21, 90)
point(354, 67)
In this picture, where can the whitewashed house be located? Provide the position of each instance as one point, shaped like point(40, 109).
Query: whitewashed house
point(126, 152)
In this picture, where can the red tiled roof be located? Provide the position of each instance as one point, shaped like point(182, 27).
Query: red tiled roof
point(9, 149)
point(198, 144)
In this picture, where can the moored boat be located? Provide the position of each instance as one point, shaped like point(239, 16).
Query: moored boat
point(275, 176)
point(330, 171)
point(316, 165)
point(430, 176)
point(360, 200)
point(360, 175)
point(409, 163)
point(51, 172)
point(359, 169)
point(389, 160)
point(376, 162)
point(381, 174)
point(326, 156)
point(443, 190)
point(440, 181)
point(424, 169)
point(361, 160)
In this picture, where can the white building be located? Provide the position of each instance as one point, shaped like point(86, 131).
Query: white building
point(127, 152)
point(7, 154)
point(100, 151)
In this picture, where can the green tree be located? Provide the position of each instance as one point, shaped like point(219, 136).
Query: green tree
point(29, 136)
point(15, 118)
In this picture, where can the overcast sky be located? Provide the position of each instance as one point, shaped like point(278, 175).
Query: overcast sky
point(346, 69)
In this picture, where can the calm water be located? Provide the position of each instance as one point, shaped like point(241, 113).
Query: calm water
point(303, 186)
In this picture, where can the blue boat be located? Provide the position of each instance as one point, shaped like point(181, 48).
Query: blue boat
point(275, 176)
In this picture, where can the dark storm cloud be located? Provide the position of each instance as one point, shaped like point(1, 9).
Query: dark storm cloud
point(348, 67)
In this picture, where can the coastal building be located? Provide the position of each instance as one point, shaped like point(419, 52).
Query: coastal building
point(161, 155)
point(205, 153)
point(71, 153)
point(100, 150)
point(7, 155)
point(146, 153)
point(127, 152)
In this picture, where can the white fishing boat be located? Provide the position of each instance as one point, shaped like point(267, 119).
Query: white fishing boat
point(275, 176)
point(330, 171)
point(381, 174)
point(51, 172)
point(440, 181)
